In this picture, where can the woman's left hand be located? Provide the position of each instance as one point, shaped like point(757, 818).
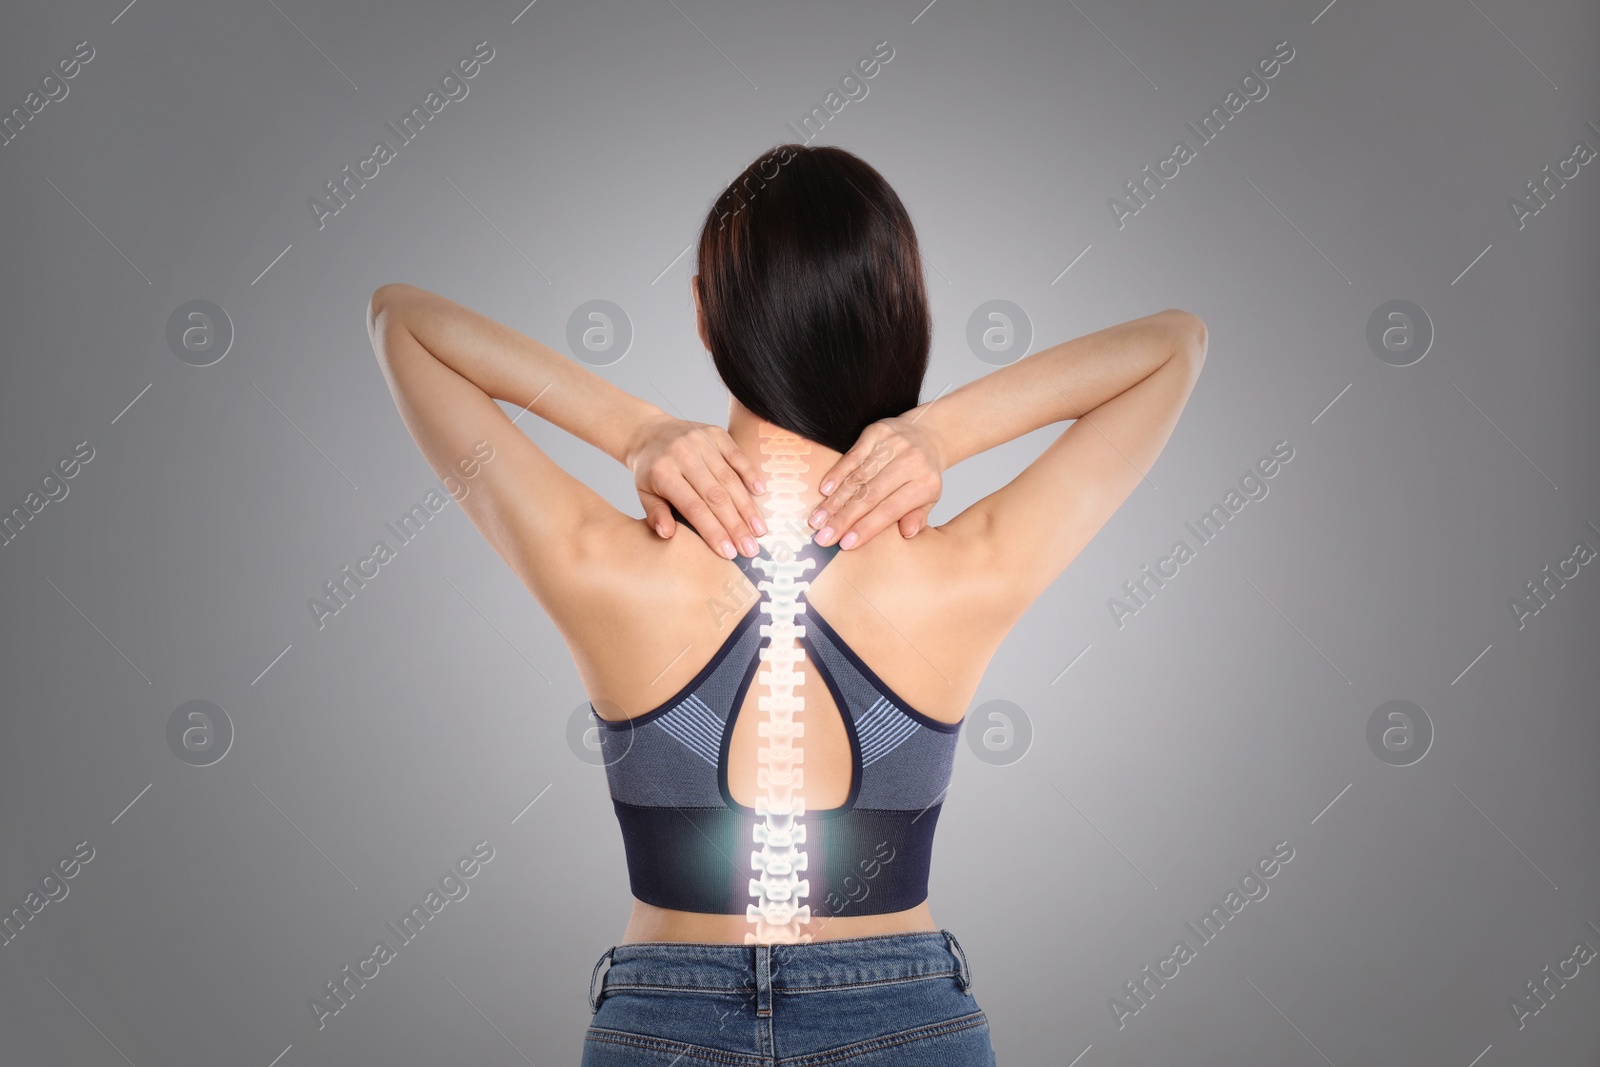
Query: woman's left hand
point(697, 468)
point(892, 475)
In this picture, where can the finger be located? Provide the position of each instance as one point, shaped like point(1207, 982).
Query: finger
point(738, 460)
point(833, 480)
point(749, 480)
point(862, 491)
point(912, 522)
point(710, 468)
point(886, 514)
point(693, 507)
point(844, 484)
point(720, 489)
point(657, 513)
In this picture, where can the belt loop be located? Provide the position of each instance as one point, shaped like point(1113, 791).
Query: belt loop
point(963, 971)
point(594, 999)
point(763, 981)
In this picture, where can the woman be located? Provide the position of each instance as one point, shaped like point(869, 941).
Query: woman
point(777, 795)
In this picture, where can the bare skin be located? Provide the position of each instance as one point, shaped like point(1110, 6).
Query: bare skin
point(925, 612)
point(940, 636)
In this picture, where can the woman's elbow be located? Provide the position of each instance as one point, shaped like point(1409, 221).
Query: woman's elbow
point(1191, 333)
point(384, 296)
point(383, 309)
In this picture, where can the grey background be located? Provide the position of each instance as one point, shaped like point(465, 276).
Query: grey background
point(1227, 715)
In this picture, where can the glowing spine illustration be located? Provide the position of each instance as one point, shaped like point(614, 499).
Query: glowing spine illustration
point(779, 858)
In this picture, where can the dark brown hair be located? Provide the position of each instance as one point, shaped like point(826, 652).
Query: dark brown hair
point(812, 293)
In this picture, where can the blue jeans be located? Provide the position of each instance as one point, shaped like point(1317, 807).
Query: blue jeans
point(866, 1001)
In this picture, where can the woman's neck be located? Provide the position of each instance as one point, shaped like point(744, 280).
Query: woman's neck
point(749, 432)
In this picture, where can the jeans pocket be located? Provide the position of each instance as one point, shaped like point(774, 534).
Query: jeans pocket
point(658, 1027)
point(961, 1041)
point(617, 1048)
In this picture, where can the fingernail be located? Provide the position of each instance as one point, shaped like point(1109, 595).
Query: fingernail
point(827, 487)
point(817, 516)
point(727, 549)
point(661, 529)
point(823, 535)
point(760, 527)
point(850, 540)
point(749, 544)
point(761, 487)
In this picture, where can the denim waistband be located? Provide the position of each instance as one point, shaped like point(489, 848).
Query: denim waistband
point(698, 967)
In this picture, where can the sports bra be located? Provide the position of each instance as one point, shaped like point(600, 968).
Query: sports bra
point(690, 845)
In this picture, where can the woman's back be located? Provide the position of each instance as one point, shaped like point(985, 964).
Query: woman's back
point(896, 637)
point(926, 613)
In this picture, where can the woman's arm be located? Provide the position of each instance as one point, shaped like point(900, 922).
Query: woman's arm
point(694, 466)
point(1124, 386)
point(1066, 381)
point(893, 471)
point(510, 366)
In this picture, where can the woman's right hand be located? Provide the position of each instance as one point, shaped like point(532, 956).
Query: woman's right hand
point(697, 468)
point(892, 475)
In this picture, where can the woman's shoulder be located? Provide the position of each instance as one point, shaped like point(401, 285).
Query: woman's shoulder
point(625, 553)
point(903, 605)
point(949, 569)
point(622, 561)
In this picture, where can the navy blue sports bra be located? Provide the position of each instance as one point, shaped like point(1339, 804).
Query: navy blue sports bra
point(689, 843)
